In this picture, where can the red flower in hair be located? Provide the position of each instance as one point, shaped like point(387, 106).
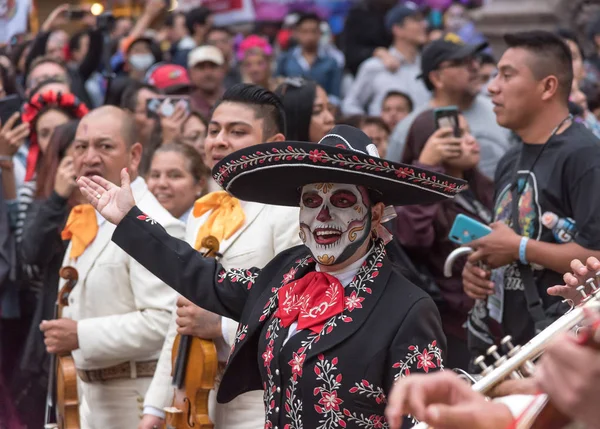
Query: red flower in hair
point(66, 102)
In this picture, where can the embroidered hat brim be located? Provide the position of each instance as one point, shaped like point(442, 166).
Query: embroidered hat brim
point(274, 173)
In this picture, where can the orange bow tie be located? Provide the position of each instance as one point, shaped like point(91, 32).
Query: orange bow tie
point(81, 229)
point(226, 218)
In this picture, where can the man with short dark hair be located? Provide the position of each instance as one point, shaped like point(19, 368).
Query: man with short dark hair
point(552, 170)
point(179, 38)
point(198, 21)
point(396, 106)
point(451, 72)
point(115, 336)
point(309, 60)
point(222, 38)
point(246, 115)
point(374, 80)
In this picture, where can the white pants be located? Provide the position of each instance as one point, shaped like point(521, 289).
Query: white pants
point(247, 411)
point(114, 404)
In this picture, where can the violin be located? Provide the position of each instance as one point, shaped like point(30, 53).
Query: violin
point(195, 367)
point(63, 373)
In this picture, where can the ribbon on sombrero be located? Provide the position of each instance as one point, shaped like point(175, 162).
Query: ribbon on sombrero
point(37, 105)
point(310, 301)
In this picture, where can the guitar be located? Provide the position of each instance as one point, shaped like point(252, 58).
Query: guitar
point(195, 367)
point(63, 373)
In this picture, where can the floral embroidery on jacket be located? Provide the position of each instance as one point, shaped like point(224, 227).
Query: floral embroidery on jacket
point(147, 218)
point(370, 391)
point(239, 275)
point(328, 405)
point(429, 358)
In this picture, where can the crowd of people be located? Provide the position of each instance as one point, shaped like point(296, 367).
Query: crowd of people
point(109, 134)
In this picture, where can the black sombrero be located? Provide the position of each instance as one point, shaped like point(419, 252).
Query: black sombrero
point(274, 173)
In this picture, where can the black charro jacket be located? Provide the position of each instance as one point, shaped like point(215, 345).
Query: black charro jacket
point(338, 378)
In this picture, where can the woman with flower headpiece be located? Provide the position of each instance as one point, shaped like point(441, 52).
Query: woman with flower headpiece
point(254, 54)
point(43, 112)
point(327, 327)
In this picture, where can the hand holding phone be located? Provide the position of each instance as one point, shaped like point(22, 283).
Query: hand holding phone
point(465, 229)
point(440, 147)
point(447, 117)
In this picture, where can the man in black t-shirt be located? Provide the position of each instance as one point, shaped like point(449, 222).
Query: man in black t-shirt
point(556, 169)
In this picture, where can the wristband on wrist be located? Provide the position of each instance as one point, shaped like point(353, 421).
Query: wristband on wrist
point(523, 250)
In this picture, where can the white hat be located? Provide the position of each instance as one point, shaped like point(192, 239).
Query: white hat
point(205, 53)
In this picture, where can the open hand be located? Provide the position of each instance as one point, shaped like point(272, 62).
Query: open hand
point(113, 202)
point(581, 273)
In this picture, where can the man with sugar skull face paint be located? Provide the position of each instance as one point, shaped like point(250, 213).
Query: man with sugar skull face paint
point(334, 221)
point(310, 315)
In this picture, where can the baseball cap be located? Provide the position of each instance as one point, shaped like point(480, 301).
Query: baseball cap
point(450, 47)
point(164, 75)
point(205, 53)
point(399, 13)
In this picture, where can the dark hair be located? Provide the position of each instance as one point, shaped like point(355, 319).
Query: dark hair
point(221, 29)
point(130, 95)
point(196, 166)
point(195, 114)
point(352, 120)
point(400, 94)
point(592, 93)
point(170, 18)
point(45, 82)
point(569, 35)
point(18, 51)
point(375, 120)
point(298, 97)
point(75, 40)
point(485, 58)
point(45, 60)
point(593, 28)
point(265, 104)
point(198, 15)
point(307, 16)
point(8, 81)
point(61, 140)
point(552, 57)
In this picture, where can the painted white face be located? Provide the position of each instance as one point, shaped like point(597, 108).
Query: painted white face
point(335, 220)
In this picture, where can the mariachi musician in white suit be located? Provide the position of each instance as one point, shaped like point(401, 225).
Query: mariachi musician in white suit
point(118, 312)
point(245, 240)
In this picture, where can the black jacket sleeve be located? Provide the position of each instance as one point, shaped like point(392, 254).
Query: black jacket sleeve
point(92, 60)
point(41, 233)
point(201, 280)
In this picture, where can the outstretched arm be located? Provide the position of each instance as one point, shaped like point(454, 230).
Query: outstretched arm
point(202, 280)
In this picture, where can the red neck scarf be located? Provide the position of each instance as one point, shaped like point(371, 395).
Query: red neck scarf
point(310, 301)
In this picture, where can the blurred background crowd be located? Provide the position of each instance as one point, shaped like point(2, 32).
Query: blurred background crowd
point(379, 65)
